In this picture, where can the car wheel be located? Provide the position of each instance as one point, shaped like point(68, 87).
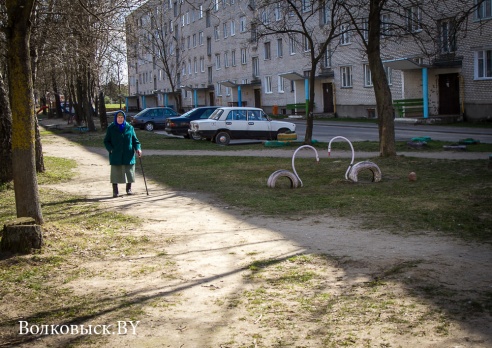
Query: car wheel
point(195, 136)
point(149, 126)
point(186, 136)
point(223, 138)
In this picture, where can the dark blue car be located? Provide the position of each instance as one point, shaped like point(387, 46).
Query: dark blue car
point(179, 125)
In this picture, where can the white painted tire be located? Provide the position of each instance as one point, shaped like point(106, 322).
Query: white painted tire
point(272, 180)
point(366, 165)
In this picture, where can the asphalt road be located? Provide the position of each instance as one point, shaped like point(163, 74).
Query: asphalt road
point(359, 131)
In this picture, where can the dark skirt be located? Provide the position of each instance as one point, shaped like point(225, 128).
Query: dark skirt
point(121, 174)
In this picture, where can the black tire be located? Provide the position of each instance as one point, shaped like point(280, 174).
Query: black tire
point(149, 126)
point(195, 136)
point(223, 138)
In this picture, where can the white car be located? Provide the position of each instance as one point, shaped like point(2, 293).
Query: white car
point(228, 123)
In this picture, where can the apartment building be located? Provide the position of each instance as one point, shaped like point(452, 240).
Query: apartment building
point(193, 53)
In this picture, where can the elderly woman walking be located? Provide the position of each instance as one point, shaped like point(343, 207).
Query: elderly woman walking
point(122, 144)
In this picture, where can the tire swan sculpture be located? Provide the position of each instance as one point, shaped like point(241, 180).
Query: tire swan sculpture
point(294, 178)
point(354, 169)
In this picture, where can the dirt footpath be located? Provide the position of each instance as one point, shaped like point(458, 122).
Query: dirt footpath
point(209, 246)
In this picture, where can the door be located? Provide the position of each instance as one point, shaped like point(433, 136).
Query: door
point(328, 105)
point(211, 96)
point(257, 98)
point(258, 125)
point(449, 94)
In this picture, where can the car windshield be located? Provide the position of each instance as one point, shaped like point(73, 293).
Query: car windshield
point(140, 113)
point(186, 114)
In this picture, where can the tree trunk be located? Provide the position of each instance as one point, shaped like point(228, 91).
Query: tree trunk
point(5, 135)
point(21, 236)
point(59, 113)
point(40, 168)
point(384, 101)
point(103, 118)
point(22, 105)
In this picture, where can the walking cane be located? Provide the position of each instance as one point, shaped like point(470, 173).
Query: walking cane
point(145, 181)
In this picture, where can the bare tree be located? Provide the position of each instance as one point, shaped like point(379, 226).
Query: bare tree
point(158, 37)
point(18, 31)
point(313, 25)
point(5, 135)
point(381, 24)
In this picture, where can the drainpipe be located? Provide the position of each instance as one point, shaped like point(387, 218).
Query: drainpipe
point(425, 91)
point(195, 97)
point(306, 92)
point(239, 96)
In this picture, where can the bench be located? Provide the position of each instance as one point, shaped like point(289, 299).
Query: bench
point(409, 107)
point(294, 107)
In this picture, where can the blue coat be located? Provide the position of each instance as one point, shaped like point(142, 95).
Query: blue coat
point(121, 145)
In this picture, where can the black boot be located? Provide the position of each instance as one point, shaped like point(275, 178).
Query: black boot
point(129, 189)
point(115, 190)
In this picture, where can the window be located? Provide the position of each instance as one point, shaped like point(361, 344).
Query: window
point(217, 61)
point(281, 84)
point(484, 10)
point(385, 25)
point(188, 40)
point(280, 48)
point(389, 75)
point(207, 19)
point(200, 38)
point(233, 57)
point(242, 24)
point(345, 37)
point(202, 64)
point(195, 65)
point(292, 46)
point(194, 40)
point(226, 59)
point(306, 5)
point(268, 84)
point(224, 30)
point(267, 54)
point(367, 76)
point(325, 13)
point(256, 67)
point(216, 33)
point(210, 75)
point(216, 5)
point(209, 46)
point(219, 89)
point(327, 59)
point(346, 76)
point(264, 17)
point(305, 42)
point(447, 36)
point(413, 19)
point(277, 12)
point(200, 15)
point(243, 56)
point(483, 64)
point(233, 28)
point(189, 67)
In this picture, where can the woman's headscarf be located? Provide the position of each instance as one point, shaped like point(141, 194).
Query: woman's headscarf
point(121, 127)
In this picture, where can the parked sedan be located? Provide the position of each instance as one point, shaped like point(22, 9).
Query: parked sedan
point(180, 125)
point(228, 123)
point(152, 118)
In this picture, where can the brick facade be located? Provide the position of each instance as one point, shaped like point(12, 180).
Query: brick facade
point(205, 83)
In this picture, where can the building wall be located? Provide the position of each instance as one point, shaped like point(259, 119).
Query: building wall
point(356, 100)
